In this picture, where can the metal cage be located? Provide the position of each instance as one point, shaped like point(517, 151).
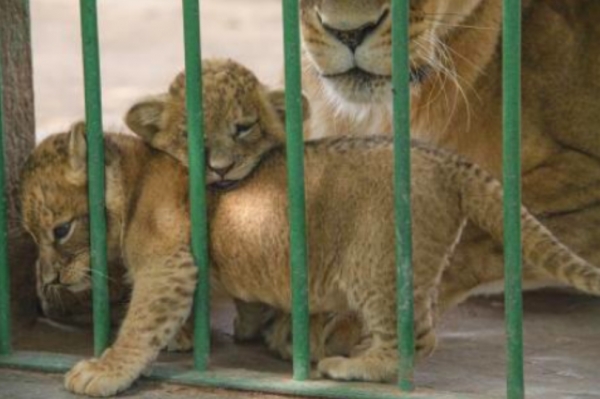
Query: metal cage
point(300, 383)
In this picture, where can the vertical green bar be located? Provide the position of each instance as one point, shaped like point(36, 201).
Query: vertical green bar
point(404, 279)
point(195, 125)
point(295, 176)
point(512, 195)
point(95, 140)
point(5, 340)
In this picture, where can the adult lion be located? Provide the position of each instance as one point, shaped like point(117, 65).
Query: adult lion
point(456, 103)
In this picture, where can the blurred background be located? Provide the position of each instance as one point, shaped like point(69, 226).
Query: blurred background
point(141, 44)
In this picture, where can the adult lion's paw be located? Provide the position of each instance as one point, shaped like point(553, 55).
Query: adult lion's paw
point(98, 378)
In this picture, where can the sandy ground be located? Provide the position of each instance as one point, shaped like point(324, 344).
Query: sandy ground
point(142, 49)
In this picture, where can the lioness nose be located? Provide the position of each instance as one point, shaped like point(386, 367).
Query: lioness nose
point(352, 38)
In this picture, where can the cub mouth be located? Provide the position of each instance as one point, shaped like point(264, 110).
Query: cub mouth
point(417, 75)
point(224, 184)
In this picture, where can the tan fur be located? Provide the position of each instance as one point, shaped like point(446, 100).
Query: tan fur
point(458, 106)
point(62, 271)
point(351, 240)
point(234, 97)
point(53, 191)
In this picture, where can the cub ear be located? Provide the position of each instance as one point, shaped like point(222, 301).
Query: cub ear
point(277, 99)
point(77, 153)
point(177, 87)
point(77, 137)
point(144, 117)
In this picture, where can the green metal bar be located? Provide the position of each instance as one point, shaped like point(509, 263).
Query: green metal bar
point(5, 338)
point(246, 380)
point(95, 140)
point(195, 125)
point(295, 178)
point(404, 279)
point(512, 195)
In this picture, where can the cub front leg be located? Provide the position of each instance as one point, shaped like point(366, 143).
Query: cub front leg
point(183, 341)
point(161, 302)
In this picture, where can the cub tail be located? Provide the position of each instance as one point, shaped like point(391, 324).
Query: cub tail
point(481, 200)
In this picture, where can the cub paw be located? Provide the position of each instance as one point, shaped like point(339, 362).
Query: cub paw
point(362, 368)
point(97, 378)
point(336, 368)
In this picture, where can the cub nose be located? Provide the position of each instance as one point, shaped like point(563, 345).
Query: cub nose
point(221, 170)
point(352, 38)
point(219, 161)
point(47, 273)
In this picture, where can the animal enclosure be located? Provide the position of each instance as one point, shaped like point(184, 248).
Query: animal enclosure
point(301, 383)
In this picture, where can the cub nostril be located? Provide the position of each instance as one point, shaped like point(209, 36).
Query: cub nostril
point(352, 38)
point(222, 171)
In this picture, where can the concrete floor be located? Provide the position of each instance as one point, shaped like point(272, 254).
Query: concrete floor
point(561, 353)
point(26, 385)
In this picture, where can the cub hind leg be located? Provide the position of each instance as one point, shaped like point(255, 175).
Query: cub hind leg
point(377, 360)
point(331, 334)
point(376, 357)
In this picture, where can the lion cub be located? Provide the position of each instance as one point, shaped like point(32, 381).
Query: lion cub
point(235, 101)
point(349, 208)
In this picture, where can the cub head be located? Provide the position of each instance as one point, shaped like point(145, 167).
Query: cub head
point(243, 120)
point(54, 204)
point(348, 43)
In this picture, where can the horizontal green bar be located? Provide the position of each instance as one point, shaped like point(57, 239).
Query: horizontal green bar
point(238, 379)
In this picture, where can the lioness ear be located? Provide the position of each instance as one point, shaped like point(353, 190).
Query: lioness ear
point(277, 99)
point(144, 118)
point(77, 153)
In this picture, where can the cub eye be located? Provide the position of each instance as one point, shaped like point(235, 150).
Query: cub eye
point(62, 231)
point(243, 129)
